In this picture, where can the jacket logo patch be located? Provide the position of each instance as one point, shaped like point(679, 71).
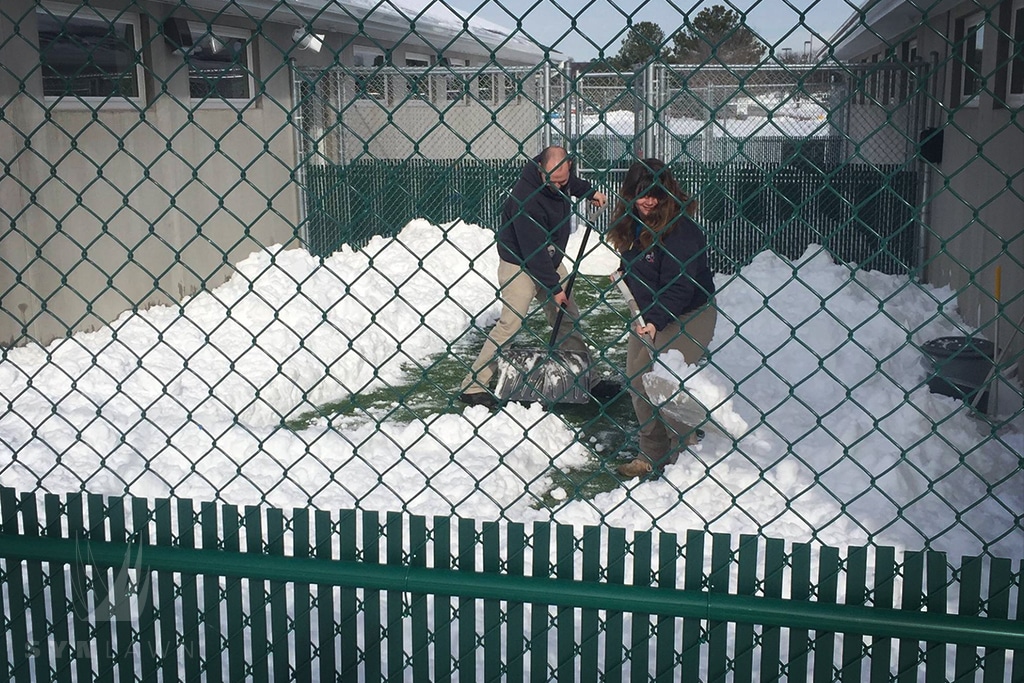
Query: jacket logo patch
point(649, 257)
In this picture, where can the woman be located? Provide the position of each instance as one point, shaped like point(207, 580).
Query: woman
point(664, 263)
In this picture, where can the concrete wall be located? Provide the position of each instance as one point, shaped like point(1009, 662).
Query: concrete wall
point(101, 203)
point(417, 130)
point(343, 127)
point(119, 207)
point(974, 211)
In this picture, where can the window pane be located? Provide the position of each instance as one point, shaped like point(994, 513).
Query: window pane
point(418, 84)
point(370, 83)
point(973, 43)
point(486, 88)
point(455, 88)
point(218, 66)
point(87, 55)
point(1017, 70)
point(363, 58)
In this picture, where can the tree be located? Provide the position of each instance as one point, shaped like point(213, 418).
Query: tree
point(594, 66)
point(644, 41)
point(717, 34)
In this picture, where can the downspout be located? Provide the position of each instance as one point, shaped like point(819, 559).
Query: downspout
point(301, 158)
point(650, 105)
point(927, 170)
point(547, 103)
point(568, 89)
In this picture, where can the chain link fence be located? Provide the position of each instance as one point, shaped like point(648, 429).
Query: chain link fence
point(248, 255)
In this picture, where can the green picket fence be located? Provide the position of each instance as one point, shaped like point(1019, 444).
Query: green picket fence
point(102, 588)
point(861, 214)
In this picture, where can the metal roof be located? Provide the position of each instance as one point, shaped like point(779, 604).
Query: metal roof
point(438, 26)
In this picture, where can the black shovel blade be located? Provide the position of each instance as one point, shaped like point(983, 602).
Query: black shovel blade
point(544, 375)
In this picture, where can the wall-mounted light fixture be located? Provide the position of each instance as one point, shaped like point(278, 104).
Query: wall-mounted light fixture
point(306, 40)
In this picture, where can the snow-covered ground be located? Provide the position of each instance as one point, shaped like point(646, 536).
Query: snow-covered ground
point(791, 119)
point(825, 447)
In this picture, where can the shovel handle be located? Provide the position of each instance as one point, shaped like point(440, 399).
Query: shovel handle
point(569, 282)
point(634, 308)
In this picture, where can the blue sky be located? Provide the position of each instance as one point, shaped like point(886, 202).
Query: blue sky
point(603, 22)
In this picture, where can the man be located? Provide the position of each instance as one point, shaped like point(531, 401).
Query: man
point(535, 227)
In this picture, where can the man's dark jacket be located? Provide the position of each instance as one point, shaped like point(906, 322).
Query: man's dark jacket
point(536, 217)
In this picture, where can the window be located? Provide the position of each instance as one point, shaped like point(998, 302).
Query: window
point(1015, 91)
point(910, 50)
point(511, 89)
point(219, 64)
point(873, 82)
point(972, 29)
point(497, 88)
point(908, 77)
point(456, 85)
point(485, 88)
point(418, 83)
point(371, 82)
point(88, 55)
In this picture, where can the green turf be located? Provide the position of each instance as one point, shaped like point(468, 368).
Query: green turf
point(606, 430)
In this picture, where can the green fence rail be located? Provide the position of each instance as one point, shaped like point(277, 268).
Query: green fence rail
point(98, 588)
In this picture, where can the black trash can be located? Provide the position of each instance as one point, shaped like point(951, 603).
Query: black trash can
point(960, 366)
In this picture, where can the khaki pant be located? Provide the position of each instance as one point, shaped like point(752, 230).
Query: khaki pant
point(517, 293)
point(660, 436)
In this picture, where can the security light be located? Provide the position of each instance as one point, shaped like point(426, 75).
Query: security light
point(305, 40)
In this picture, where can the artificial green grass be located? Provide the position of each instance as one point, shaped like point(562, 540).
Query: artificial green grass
point(607, 430)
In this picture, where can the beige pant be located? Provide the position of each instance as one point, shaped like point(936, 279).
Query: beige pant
point(517, 293)
point(660, 436)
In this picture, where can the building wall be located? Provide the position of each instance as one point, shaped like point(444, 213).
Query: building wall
point(115, 207)
point(344, 125)
point(977, 218)
point(416, 130)
point(974, 211)
point(119, 207)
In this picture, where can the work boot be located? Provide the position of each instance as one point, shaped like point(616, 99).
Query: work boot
point(637, 467)
point(478, 398)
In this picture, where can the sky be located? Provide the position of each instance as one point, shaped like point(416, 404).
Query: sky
point(601, 25)
point(187, 401)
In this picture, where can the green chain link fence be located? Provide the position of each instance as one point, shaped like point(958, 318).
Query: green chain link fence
point(248, 256)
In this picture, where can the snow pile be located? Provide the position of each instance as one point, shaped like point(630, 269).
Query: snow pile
point(815, 374)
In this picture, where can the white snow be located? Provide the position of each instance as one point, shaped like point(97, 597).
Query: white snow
point(797, 120)
point(189, 401)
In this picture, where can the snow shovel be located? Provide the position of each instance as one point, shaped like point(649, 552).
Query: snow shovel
point(547, 375)
point(666, 393)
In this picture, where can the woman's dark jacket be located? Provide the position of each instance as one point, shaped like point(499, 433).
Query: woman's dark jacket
point(671, 278)
point(535, 224)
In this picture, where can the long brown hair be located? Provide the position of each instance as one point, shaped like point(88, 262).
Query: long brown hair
point(647, 178)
